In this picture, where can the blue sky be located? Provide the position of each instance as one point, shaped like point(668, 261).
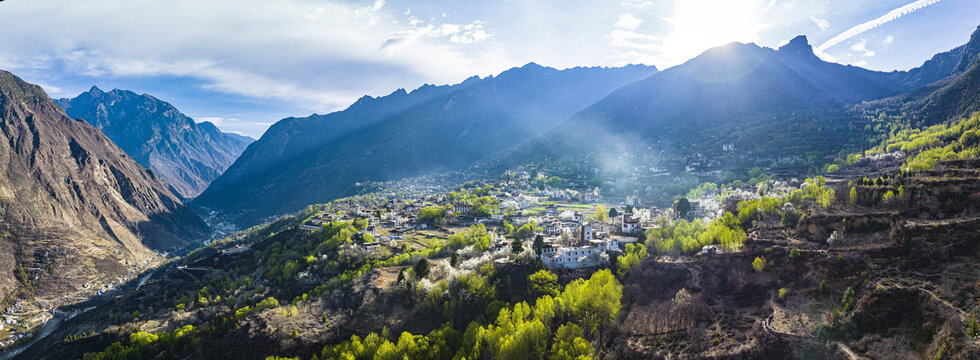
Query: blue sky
point(245, 64)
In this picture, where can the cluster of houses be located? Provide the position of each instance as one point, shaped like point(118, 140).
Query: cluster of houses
point(571, 238)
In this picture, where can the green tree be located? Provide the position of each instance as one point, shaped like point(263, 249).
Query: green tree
point(538, 244)
point(759, 264)
point(888, 197)
point(973, 329)
point(790, 218)
point(453, 259)
point(517, 246)
point(508, 227)
point(853, 196)
point(683, 206)
point(794, 255)
point(421, 268)
point(432, 214)
point(542, 282)
point(527, 231)
point(849, 299)
point(969, 138)
point(595, 302)
point(823, 288)
point(832, 168)
point(613, 213)
point(570, 344)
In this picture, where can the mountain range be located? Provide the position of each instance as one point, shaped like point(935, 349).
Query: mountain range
point(76, 209)
point(733, 94)
point(739, 94)
point(299, 161)
point(185, 154)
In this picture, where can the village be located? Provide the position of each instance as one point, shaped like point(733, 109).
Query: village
point(20, 321)
point(574, 228)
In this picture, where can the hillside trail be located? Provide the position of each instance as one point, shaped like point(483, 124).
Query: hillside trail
point(847, 351)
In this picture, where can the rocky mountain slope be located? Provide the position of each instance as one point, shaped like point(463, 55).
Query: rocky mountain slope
point(185, 154)
point(77, 211)
point(433, 128)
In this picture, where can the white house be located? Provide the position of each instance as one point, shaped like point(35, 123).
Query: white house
point(630, 224)
point(577, 256)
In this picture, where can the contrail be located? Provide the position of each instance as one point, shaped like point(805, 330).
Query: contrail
point(891, 15)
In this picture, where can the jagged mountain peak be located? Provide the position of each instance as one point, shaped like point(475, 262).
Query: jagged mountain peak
point(971, 52)
point(798, 46)
point(185, 154)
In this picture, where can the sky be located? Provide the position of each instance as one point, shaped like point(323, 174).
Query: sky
point(245, 64)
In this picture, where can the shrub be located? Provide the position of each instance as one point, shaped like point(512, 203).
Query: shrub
point(823, 288)
point(794, 255)
point(421, 268)
point(849, 299)
point(790, 218)
point(782, 293)
point(759, 264)
point(973, 330)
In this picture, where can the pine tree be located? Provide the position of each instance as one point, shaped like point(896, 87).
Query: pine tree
point(517, 246)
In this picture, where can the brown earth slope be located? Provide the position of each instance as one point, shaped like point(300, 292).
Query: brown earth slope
point(75, 209)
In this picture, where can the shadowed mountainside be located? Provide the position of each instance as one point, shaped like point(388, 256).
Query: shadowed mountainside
point(300, 161)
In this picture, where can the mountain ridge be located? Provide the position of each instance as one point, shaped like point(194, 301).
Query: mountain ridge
point(73, 204)
point(186, 154)
point(406, 133)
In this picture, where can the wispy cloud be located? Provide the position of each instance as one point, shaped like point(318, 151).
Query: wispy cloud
point(628, 21)
point(890, 16)
point(312, 55)
point(823, 24)
point(473, 32)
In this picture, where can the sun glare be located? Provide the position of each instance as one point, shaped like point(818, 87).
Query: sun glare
point(701, 24)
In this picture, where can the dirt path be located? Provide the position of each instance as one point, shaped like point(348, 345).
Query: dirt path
point(963, 314)
point(847, 351)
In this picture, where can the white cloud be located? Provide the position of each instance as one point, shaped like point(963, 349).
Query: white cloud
point(862, 48)
point(317, 56)
point(628, 21)
point(823, 24)
point(857, 30)
point(637, 3)
point(314, 13)
point(633, 40)
point(217, 120)
point(51, 90)
point(888, 40)
point(456, 33)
